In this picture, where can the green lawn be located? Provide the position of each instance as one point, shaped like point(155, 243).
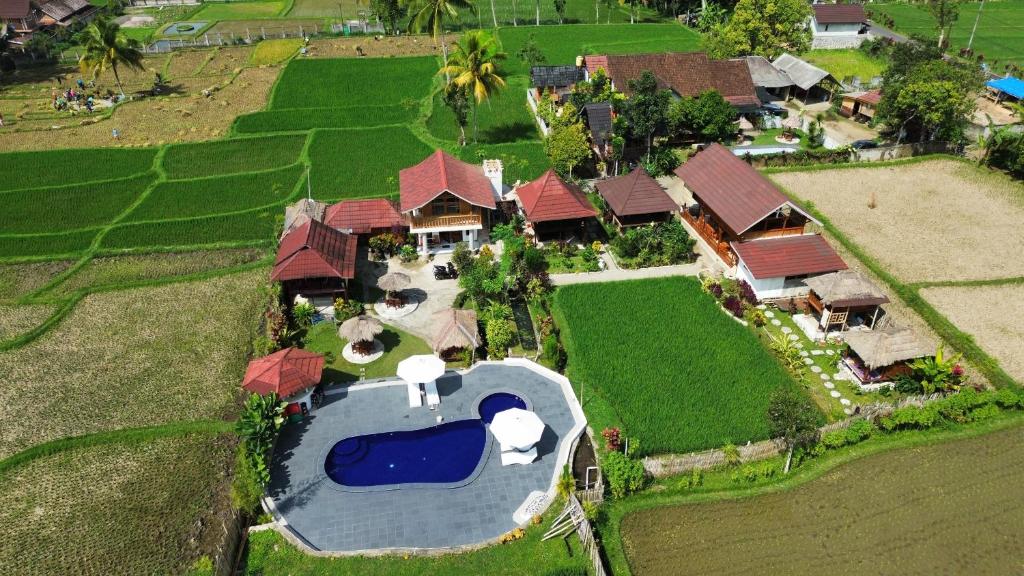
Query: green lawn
point(239, 11)
point(398, 345)
point(845, 64)
point(668, 365)
point(999, 35)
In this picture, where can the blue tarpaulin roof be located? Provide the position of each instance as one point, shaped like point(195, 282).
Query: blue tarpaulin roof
point(1012, 86)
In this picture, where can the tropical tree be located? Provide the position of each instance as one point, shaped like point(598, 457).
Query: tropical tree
point(646, 108)
point(430, 16)
point(762, 27)
point(474, 66)
point(792, 418)
point(945, 13)
point(936, 373)
point(105, 47)
point(560, 10)
point(708, 116)
point(457, 101)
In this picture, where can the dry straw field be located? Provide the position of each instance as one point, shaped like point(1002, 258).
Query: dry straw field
point(885, 514)
point(991, 315)
point(931, 220)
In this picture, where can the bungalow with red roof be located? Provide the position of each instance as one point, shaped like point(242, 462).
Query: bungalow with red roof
point(366, 217)
point(445, 200)
point(838, 25)
point(753, 226)
point(315, 262)
point(554, 208)
point(636, 199)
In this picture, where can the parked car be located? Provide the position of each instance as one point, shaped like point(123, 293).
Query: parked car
point(864, 144)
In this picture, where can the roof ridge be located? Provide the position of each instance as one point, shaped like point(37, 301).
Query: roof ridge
point(444, 169)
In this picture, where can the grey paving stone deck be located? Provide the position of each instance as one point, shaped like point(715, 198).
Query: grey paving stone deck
point(327, 517)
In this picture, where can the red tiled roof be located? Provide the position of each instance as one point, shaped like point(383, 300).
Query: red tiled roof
point(594, 62)
point(315, 250)
point(549, 198)
point(871, 97)
point(839, 13)
point(14, 9)
point(362, 216)
point(737, 193)
point(635, 193)
point(788, 256)
point(442, 172)
point(686, 73)
point(284, 372)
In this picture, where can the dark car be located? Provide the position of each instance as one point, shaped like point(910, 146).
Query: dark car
point(864, 144)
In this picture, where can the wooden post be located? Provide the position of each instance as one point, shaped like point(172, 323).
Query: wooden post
point(874, 317)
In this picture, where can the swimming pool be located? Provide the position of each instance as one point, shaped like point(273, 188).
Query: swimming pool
point(442, 454)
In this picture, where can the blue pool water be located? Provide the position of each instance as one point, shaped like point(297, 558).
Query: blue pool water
point(441, 454)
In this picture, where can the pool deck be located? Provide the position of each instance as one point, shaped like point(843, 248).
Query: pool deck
point(325, 517)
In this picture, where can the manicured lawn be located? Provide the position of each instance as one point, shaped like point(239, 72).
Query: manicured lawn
point(999, 31)
point(269, 553)
point(398, 345)
point(347, 82)
point(69, 207)
point(230, 156)
point(808, 530)
point(218, 194)
point(845, 64)
point(362, 163)
point(239, 11)
point(676, 372)
point(64, 167)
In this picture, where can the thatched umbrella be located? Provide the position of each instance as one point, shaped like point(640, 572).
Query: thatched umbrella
point(793, 122)
point(360, 331)
point(745, 124)
point(393, 283)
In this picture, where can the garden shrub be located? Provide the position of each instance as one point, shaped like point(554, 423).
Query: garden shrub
point(462, 258)
point(501, 333)
point(386, 245)
point(623, 474)
point(345, 309)
point(302, 314)
point(660, 244)
point(408, 254)
point(833, 440)
point(612, 439)
point(1009, 398)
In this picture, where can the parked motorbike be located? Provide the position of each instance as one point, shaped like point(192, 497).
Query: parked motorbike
point(445, 272)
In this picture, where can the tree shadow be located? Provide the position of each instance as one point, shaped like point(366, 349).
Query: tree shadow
point(508, 132)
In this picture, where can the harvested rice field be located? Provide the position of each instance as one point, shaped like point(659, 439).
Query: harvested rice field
point(884, 514)
point(17, 280)
point(15, 320)
point(991, 315)
point(131, 358)
point(950, 220)
point(135, 507)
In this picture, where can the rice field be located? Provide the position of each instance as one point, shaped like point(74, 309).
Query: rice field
point(353, 82)
point(47, 210)
point(60, 246)
point(253, 228)
point(505, 117)
point(845, 64)
point(220, 157)
point(126, 508)
point(362, 163)
point(15, 320)
point(951, 220)
point(132, 358)
point(342, 117)
point(522, 160)
point(696, 381)
point(17, 280)
point(22, 169)
point(949, 508)
point(990, 314)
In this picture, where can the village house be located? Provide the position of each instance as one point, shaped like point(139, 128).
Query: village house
point(21, 18)
point(445, 200)
point(636, 199)
point(752, 226)
point(837, 26)
point(366, 217)
point(860, 105)
point(810, 83)
point(314, 263)
point(553, 208)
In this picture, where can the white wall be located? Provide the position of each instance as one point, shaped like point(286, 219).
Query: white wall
point(834, 29)
point(766, 288)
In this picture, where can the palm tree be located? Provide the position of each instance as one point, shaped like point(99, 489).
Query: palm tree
point(473, 66)
point(430, 15)
point(106, 47)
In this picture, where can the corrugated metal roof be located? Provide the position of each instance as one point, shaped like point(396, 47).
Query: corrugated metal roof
point(315, 250)
point(803, 74)
point(599, 121)
point(635, 193)
point(441, 172)
point(548, 198)
point(788, 256)
point(362, 216)
point(765, 75)
point(839, 14)
point(559, 76)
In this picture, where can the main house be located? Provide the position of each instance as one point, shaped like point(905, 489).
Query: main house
point(445, 200)
point(752, 226)
point(838, 25)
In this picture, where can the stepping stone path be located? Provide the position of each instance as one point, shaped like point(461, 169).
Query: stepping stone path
point(804, 353)
point(825, 376)
point(764, 307)
point(808, 361)
point(816, 369)
point(829, 385)
point(786, 329)
point(769, 313)
point(835, 394)
point(775, 321)
point(830, 352)
point(799, 345)
point(816, 352)
point(844, 401)
point(793, 337)
point(848, 411)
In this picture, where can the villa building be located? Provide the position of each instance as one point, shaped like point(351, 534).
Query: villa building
point(636, 199)
point(315, 263)
point(445, 201)
point(752, 226)
point(553, 208)
point(366, 217)
point(838, 26)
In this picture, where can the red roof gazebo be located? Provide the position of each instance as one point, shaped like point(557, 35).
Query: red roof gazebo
point(284, 372)
point(551, 205)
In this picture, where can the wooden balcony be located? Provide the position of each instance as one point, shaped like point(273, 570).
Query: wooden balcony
point(451, 221)
point(709, 235)
point(774, 233)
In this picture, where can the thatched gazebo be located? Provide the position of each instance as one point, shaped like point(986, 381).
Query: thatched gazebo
point(360, 332)
point(456, 330)
point(843, 299)
point(393, 283)
point(877, 356)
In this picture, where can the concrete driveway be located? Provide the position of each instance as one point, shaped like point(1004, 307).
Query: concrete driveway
point(432, 295)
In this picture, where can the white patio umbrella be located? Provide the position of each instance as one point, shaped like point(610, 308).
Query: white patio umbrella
point(517, 428)
point(421, 369)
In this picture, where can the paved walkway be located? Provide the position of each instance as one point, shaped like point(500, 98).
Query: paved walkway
point(432, 295)
point(613, 273)
point(330, 517)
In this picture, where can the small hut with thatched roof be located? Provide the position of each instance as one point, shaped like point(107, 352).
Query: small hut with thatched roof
point(360, 332)
point(456, 331)
point(393, 283)
point(878, 356)
point(844, 299)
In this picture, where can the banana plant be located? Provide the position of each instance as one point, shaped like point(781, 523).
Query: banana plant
point(936, 372)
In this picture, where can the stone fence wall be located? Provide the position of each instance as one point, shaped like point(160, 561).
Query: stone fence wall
point(671, 464)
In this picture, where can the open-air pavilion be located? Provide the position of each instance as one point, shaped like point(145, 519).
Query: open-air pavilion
point(875, 357)
point(636, 199)
point(361, 332)
point(457, 331)
point(843, 300)
point(290, 373)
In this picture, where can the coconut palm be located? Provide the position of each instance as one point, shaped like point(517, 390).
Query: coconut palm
point(430, 15)
point(473, 66)
point(106, 47)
